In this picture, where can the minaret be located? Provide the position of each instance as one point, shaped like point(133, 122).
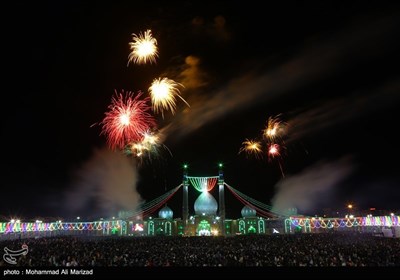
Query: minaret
point(185, 204)
point(221, 200)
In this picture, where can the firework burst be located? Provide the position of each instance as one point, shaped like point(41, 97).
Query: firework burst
point(272, 145)
point(251, 147)
point(273, 129)
point(147, 148)
point(274, 151)
point(163, 93)
point(127, 119)
point(143, 48)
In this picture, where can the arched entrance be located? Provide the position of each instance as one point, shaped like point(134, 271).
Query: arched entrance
point(203, 229)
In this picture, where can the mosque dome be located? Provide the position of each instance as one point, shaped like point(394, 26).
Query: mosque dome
point(248, 212)
point(166, 213)
point(205, 204)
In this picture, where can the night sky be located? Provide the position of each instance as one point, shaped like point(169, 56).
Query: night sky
point(329, 70)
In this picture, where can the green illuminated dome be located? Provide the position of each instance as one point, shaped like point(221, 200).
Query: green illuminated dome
point(166, 213)
point(205, 204)
point(248, 212)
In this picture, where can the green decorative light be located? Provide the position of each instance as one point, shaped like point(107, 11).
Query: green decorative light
point(204, 226)
point(185, 166)
point(203, 184)
point(251, 229)
point(220, 164)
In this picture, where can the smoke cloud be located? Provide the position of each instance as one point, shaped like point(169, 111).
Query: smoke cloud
point(310, 65)
point(216, 30)
point(104, 185)
point(312, 186)
point(343, 109)
point(192, 77)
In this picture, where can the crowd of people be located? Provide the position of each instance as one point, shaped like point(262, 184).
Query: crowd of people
point(305, 250)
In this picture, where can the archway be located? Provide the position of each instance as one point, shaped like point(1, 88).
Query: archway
point(204, 228)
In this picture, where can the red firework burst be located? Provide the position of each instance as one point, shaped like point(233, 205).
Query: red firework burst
point(273, 150)
point(127, 119)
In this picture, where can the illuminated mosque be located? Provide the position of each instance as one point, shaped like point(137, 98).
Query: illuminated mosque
point(208, 220)
point(209, 217)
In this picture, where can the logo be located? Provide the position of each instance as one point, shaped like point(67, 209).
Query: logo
point(10, 255)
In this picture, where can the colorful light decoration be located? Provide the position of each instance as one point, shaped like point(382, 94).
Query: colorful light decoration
point(312, 223)
point(9, 227)
point(203, 184)
point(324, 223)
point(138, 227)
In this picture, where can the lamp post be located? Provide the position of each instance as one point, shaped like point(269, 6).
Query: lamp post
point(185, 204)
point(221, 198)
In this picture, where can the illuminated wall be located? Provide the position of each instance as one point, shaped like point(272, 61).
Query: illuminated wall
point(306, 224)
point(169, 227)
point(251, 225)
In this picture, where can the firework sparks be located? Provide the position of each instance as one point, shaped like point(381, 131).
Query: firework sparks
point(274, 151)
point(273, 141)
point(272, 130)
point(143, 48)
point(150, 139)
point(251, 147)
point(150, 143)
point(163, 92)
point(136, 149)
point(147, 147)
point(127, 120)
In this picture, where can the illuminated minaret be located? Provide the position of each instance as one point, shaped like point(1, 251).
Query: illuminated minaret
point(221, 200)
point(185, 204)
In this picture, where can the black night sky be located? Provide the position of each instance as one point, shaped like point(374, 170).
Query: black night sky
point(329, 70)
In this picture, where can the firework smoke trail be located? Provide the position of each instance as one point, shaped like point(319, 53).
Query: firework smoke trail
point(127, 120)
point(310, 65)
point(163, 93)
point(143, 48)
point(274, 151)
point(251, 147)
